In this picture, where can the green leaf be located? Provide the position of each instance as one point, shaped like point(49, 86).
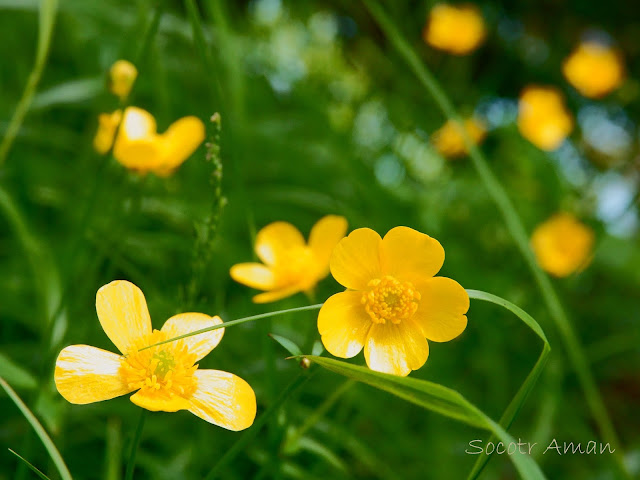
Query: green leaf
point(74, 91)
point(35, 424)
point(15, 374)
point(434, 397)
point(287, 344)
point(28, 464)
point(520, 397)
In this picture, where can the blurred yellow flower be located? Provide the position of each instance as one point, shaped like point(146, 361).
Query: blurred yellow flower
point(107, 127)
point(543, 118)
point(166, 377)
point(562, 245)
point(594, 69)
point(139, 147)
point(449, 142)
point(122, 76)
point(457, 29)
point(290, 264)
point(392, 302)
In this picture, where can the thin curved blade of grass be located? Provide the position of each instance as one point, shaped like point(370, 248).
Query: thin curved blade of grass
point(518, 400)
point(436, 398)
point(14, 373)
point(40, 431)
point(30, 465)
point(237, 322)
point(46, 20)
point(514, 224)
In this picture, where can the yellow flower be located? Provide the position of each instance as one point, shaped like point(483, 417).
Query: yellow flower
point(290, 264)
point(594, 69)
point(107, 127)
point(122, 75)
point(562, 245)
point(448, 139)
point(139, 147)
point(392, 301)
point(166, 377)
point(543, 118)
point(455, 29)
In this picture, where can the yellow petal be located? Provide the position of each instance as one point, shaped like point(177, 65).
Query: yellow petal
point(325, 235)
point(179, 142)
point(410, 255)
point(224, 400)
point(200, 344)
point(87, 374)
point(123, 314)
point(396, 348)
point(356, 259)
point(254, 275)
point(442, 308)
point(159, 402)
point(344, 324)
point(275, 240)
point(141, 155)
point(278, 294)
point(137, 145)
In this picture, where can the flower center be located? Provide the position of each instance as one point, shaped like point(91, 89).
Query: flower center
point(390, 300)
point(166, 369)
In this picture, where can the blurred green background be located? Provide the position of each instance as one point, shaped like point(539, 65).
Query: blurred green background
point(319, 116)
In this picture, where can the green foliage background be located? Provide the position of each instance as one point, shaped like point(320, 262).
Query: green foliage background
point(319, 116)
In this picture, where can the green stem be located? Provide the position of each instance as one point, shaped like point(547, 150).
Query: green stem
point(517, 230)
point(32, 467)
point(250, 434)
point(46, 20)
point(237, 322)
point(134, 447)
point(40, 431)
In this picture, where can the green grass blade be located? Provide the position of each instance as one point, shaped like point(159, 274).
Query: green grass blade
point(40, 431)
point(237, 322)
point(289, 345)
point(15, 374)
point(516, 228)
point(30, 465)
point(46, 20)
point(523, 392)
point(434, 397)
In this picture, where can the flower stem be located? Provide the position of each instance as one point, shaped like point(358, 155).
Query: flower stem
point(237, 322)
point(516, 228)
point(46, 20)
point(134, 447)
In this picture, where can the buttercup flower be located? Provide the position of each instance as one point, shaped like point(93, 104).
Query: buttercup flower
point(290, 264)
point(448, 139)
point(122, 75)
point(139, 147)
point(594, 69)
point(166, 377)
point(393, 302)
point(457, 29)
point(562, 245)
point(543, 118)
point(107, 127)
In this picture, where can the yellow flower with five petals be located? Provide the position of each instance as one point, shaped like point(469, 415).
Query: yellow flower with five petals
point(563, 245)
point(139, 147)
point(543, 118)
point(594, 69)
point(393, 303)
point(457, 29)
point(290, 265)
point(166, 376)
